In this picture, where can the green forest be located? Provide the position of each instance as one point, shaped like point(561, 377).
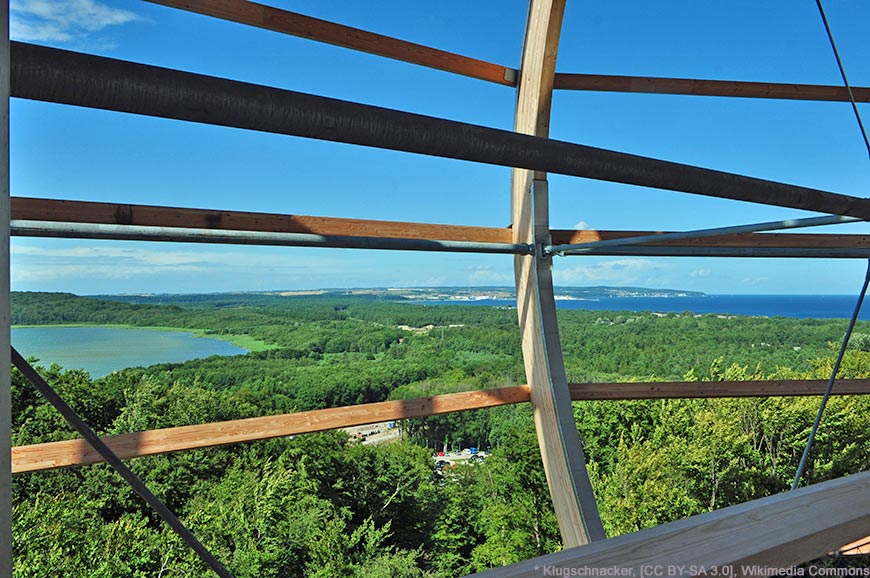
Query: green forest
point(325, 505)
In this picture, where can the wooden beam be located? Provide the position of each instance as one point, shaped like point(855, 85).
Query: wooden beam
point(856, 548)
point(701, 389)
point(78, 452)
point(766, 240)
point(52, 75)
point(295, 24)
point(561, 452)
point(695, 87)
point(68, 211)
point(5, 382)
point(145, 215)
point(759, 538)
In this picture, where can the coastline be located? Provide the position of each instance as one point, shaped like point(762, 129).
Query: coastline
point(246, 342)
point(744, 305)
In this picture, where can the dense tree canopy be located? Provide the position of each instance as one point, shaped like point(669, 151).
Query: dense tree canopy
point(326, 505)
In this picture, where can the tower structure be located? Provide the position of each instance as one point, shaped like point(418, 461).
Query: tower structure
point(775, 530)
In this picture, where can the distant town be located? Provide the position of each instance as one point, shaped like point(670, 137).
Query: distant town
point(493, 293)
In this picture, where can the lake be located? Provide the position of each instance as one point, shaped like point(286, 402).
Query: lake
point(102, 350)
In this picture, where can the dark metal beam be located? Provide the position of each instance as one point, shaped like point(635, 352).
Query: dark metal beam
point(52, 75)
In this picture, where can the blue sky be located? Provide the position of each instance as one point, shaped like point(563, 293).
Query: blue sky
point(66, 152)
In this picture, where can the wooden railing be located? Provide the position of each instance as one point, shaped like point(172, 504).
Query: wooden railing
point(130, 445)
point(34, 209)
point(61, 454)
point(806, 523)
point(760, 538)
point(302, 26)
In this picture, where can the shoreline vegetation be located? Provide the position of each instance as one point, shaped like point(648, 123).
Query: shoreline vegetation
point(326, 505)
point(246, 342)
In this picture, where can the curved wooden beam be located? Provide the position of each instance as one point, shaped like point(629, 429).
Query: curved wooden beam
point(562, 454)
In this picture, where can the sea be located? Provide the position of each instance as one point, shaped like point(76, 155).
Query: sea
point(799, 306)
point(101, 350)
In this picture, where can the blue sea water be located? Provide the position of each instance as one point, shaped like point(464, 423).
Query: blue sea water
point(800, 306)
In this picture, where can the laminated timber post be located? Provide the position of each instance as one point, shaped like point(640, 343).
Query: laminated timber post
point(561, 451)
point(5, 383)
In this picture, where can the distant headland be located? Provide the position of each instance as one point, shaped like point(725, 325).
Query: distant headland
point(476, 293)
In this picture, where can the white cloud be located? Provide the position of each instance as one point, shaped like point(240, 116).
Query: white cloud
point(582, 225)
point(32, 263)
point(84, 268)
point(701, 273)
point(486, 275)
point(614, 272)
point(63, 20)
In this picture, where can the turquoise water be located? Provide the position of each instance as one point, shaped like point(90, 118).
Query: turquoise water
point(102, 350)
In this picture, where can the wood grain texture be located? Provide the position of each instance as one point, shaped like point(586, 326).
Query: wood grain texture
point(699, 389)
point(6, 544)
point(561, 452)
point(775, 532)
point(855, 548)
point(766, 240)
point(295, 24)
point(69, 211)
point(696, 87)
point(124, 214)
point(78, 452)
